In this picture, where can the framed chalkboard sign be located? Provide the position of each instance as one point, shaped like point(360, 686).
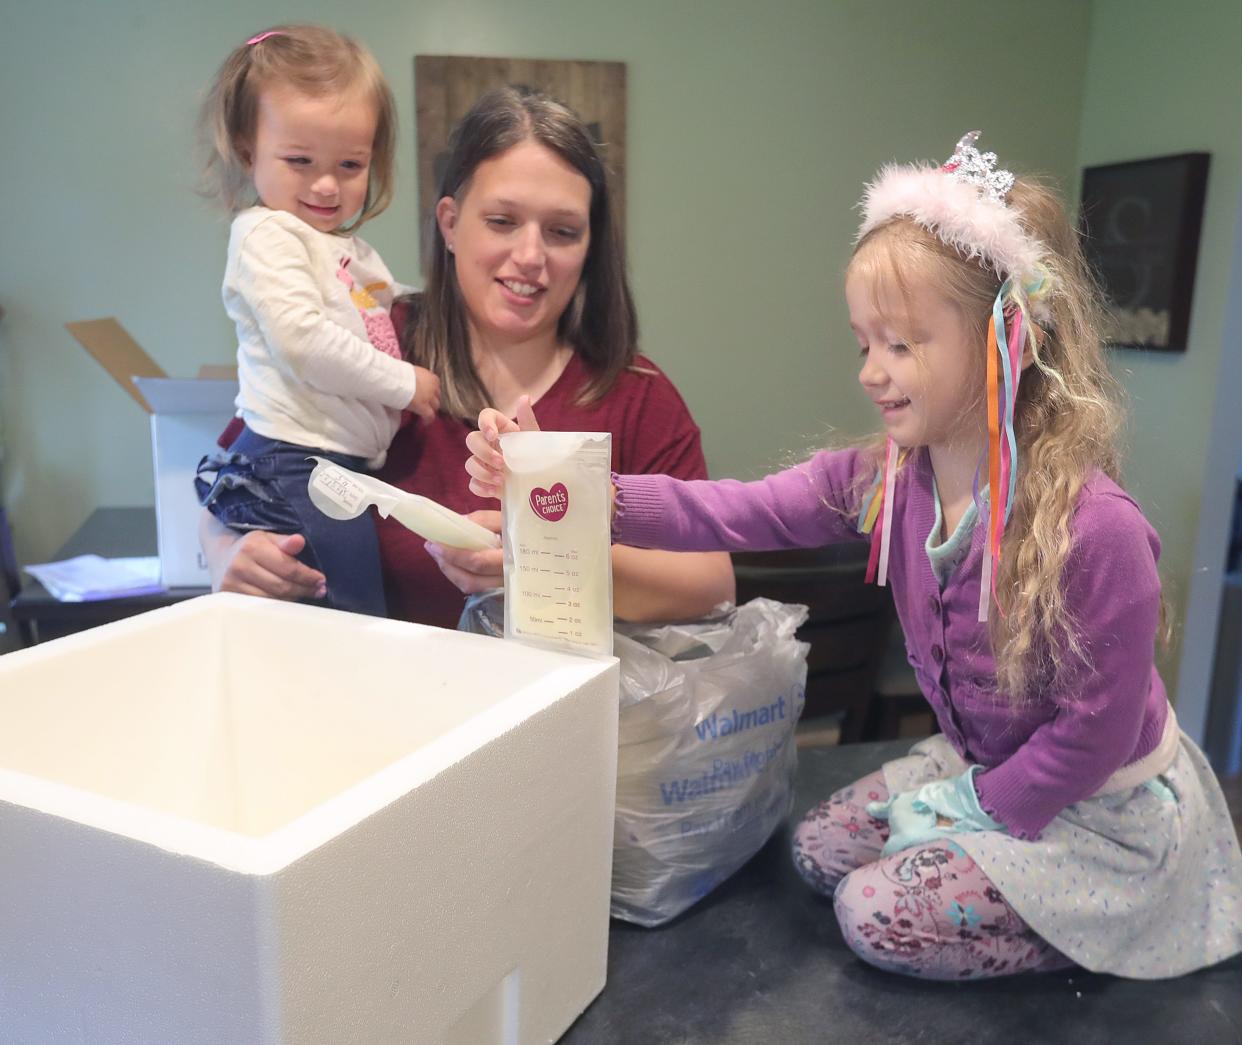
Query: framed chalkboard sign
point(1141, 223)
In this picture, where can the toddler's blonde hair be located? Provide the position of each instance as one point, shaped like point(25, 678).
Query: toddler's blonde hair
point(315, 61)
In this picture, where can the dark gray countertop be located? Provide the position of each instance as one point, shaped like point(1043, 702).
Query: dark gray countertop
point(761, 962)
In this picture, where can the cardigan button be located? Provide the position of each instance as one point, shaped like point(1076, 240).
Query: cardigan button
point(933, 604)
point(937, 653)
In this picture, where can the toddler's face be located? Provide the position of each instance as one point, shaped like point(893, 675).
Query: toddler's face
point(312, 156)
point(921, 364)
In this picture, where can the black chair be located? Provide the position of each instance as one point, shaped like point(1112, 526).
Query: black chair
point(10, 584)
point(848, 626)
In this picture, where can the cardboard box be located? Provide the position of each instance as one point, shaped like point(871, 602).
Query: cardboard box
point(187, 415)
point(240, 821)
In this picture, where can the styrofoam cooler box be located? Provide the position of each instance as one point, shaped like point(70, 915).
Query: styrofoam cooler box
point(238, 822)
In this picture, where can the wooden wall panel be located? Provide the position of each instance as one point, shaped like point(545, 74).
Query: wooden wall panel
point(446, 86)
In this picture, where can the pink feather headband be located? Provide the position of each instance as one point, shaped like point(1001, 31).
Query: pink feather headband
point(963, 203)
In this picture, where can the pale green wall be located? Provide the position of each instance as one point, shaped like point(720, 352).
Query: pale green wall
point(1163, 78)
point(752, 127)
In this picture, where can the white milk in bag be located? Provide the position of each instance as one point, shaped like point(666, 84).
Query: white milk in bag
point(557, 540)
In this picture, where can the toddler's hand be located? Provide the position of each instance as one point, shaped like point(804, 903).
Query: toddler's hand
point(426, 399)
point(486, 464)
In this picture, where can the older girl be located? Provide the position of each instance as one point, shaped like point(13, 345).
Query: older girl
point(1060, 816)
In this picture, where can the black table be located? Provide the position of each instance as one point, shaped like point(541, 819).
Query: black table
point(112, 533)
point(761, 962)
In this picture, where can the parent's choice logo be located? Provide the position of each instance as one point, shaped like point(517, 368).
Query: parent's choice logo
point(552, 504)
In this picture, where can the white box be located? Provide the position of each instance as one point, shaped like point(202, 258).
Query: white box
point(187, 416)
point(239, 822)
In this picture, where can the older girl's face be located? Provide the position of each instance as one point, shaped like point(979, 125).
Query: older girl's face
point(519, 236)
point(921, 363)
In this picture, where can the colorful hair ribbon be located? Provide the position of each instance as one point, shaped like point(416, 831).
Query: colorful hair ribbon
point(1004, 370)
point(876, 517)
point(868, 519)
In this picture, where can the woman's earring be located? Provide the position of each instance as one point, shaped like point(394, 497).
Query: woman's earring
point(449, 246)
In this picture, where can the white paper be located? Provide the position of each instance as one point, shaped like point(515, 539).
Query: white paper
point(88, 578)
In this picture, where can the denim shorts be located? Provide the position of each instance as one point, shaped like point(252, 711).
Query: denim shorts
point(261, 484)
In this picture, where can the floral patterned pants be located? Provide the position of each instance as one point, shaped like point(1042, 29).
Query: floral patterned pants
point(928, 911)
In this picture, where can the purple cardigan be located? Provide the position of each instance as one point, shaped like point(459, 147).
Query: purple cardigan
point(1039, 756)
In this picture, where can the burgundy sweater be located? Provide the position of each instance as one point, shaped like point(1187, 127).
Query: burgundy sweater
point(652, 431)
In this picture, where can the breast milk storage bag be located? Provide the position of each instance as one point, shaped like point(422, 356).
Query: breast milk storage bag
point(557, 542)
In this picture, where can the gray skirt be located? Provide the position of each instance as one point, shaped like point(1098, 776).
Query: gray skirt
point(1138, 883)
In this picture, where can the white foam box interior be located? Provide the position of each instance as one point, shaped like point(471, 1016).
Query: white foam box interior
point(238, 822)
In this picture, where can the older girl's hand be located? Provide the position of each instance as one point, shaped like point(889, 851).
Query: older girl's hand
point(486, 464)
point(472, 571)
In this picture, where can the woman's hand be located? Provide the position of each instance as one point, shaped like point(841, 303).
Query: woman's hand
point(486, 464)
point(473, 571)
point(258, 562)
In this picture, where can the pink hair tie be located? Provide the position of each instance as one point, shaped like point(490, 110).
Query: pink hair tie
point(263, 36)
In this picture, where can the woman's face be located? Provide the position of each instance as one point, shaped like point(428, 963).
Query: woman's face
point(519, 235)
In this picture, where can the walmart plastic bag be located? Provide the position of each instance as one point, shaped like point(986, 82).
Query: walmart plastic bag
point(706, 760)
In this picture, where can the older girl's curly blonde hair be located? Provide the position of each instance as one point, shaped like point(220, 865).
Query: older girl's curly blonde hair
point(315, 61)
point(1067, 419)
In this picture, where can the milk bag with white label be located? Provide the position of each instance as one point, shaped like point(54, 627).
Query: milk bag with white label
point(557, 540)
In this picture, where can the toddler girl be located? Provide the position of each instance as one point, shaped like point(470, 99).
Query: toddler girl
point(1060, 816)
point(302, 128)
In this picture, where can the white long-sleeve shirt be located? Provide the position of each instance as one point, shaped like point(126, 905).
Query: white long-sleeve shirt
point(307, 305)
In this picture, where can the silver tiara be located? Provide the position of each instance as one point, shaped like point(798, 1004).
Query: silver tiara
point(977, 168)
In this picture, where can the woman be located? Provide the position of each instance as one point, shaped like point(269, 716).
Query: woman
point(526, 296)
